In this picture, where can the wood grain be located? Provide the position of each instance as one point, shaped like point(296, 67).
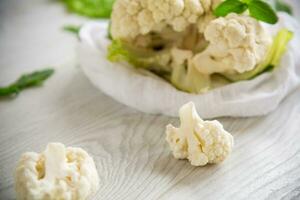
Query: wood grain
point(132, 157)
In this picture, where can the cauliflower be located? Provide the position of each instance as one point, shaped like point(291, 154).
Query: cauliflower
point(236, 43)
point(57, 173)
point(183, 42)
point(201, 142)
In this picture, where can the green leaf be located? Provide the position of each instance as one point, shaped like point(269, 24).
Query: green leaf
point(91, 8)
point(262, 11)
point(9, 90)
point(258, 9)
point(26, 81)
point(72, 29)
point(119, 51)
point(230, 6)
point(280, 42)
point(284, 7)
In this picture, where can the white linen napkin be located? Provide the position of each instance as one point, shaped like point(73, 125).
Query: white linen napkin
point(148, 93)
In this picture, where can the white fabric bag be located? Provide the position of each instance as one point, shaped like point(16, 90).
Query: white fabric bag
point(148, 93)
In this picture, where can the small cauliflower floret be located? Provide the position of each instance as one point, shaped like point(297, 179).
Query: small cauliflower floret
point(57, 173)
point(199, 141)
point(237, 43)
point(131, 18)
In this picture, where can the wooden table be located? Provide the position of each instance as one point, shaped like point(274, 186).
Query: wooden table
point(132, 157)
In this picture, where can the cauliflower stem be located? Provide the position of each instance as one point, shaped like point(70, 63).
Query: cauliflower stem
point(119, 51)
point(183, 75)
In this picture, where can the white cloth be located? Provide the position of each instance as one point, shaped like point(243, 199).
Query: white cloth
point(148, 93)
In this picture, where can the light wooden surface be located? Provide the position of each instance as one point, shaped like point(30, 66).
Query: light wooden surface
point(132, 157)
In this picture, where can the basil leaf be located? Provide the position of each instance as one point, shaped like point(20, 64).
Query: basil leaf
point(9, 90)
point(230, 6)
point(262, 11)
point(34, 79)
point(284, 7)
point(26, 81)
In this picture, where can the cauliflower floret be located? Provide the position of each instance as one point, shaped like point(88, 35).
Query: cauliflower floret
point(199, 141)
point(237, 43)
point(131, 18)
point(57, 173)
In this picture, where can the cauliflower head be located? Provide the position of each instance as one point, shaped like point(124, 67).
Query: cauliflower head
point(199, 141)
point(57, 173)
point(152, 34)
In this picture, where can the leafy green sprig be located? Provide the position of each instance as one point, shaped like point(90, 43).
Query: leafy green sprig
point(25, 81)
point(258, 9)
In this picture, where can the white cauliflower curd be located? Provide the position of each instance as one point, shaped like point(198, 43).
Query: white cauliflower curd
point(199, 141)
point(58, 173)
point(131, 18)
point(236, 43)
point(151, 34)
